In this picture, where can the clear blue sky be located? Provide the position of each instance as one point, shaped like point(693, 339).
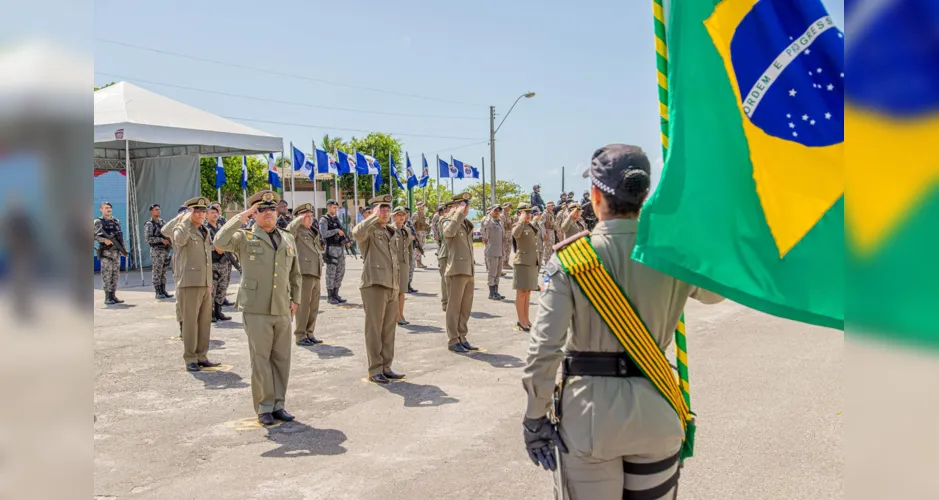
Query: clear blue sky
point(591, 64)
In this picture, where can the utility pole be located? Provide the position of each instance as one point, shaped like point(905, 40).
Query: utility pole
point(562, 180)
point(492, 151)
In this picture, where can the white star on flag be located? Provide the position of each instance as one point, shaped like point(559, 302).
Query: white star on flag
point(792, 125)
point(792, 92)
point(828, 116)
point(808, 51)
point(830, 87)
point(795, 134)
point(819, 70)
point(812, 122)
point(805, 117)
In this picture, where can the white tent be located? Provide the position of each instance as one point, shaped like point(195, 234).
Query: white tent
point(166, 137)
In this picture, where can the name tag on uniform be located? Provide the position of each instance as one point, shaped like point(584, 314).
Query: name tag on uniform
point(291, 252)
point(251, 257)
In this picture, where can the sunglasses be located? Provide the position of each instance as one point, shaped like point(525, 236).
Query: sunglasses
point(261, 210)
point(200, 210)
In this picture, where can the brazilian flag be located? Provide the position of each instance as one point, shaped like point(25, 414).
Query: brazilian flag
point(751, 200)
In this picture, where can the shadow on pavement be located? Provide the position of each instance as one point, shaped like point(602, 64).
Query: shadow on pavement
point(326, 351)
point(119, 306)
point(497, 360)
point(216, 345)
point(228, 325)
point(220, 380)
point(483, 315)
point(418, 395)
point(422, 294)
point(421, 328)
point(297, 439)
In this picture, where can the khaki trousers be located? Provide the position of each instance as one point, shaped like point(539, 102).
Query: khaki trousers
point(459, 307)
point(493, 270)
point(586, 478)
point(444, 283)
point(269, 347)
point(549, 248)
point(381, 313)
point(308, 308)
point(195, 311)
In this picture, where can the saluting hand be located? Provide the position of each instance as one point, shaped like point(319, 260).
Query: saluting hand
point(247, 214)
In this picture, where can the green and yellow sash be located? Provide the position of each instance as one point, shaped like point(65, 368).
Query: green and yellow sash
point(580, 260)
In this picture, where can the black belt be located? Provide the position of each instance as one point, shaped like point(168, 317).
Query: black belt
point(600, 364)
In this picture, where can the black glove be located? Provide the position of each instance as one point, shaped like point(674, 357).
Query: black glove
point(540, 439)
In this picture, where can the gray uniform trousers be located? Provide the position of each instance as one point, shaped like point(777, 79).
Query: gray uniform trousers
point(110, 268)
point(335, 272)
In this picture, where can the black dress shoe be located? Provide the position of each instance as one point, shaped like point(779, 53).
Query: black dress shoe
point(305, 342)
point(379, 379)
point(393, 376)
point(340, 299)
point(193, 367)
point(282, 414)
point(208, 364)
point(411, 290)
point(266, 419)
point(458, 348)
point(119, 301)
point(315, 340)
point(466, 345)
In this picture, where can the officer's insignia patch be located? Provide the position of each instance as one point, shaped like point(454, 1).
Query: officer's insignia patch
point(387, 197)
point(466, 196)
point(267, 197)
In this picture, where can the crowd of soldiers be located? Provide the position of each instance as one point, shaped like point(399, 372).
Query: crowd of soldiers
point(596, 306)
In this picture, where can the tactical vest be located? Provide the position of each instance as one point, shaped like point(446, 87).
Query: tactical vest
point(332, 223)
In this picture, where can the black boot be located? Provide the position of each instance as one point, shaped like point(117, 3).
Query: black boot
point(166, 295)
point(158, 293)
point(109, 299)
point(332, 296)
point(492, 293)
point(338, 298)
point(214, 312)
point(499, 296)
point(115, 299)
point(219, 314)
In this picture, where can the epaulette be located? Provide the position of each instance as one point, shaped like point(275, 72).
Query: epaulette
point(571, 240)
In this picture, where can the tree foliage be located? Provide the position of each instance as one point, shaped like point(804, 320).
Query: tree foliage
point(506, 192)
point(104, 86)
point(432, 201)
point(231, 190)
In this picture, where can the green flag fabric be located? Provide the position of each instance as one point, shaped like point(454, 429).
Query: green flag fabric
point(751, 200)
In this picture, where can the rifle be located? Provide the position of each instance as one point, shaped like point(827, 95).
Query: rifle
point(117, 241)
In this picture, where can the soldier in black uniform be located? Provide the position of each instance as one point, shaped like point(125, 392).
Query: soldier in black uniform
point(110, 239)
point(160, 248)
point(536, 200)
point(335, 239)
point(283, 215)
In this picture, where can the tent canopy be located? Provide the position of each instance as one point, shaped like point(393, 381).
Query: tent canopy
point(157, 126)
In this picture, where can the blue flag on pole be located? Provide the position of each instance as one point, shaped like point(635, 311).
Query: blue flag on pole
point(219, 173)
point(301, 164)
point(346, 162)
point(273, 178)
point(375, 169)
point(458, 167)
point(244, 172)
point(412, 178)
point(361, 164)
point(394, 173)
point(325, 163)
point(425, 172)
point(446, 170)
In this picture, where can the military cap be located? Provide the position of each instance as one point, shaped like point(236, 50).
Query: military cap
point(622, 171)
point(382, 199)
point(420, 204)
point(399, 210)
point(303, 208)
point(535, 211)
point(573, 206)
point(493, 208)
point(507, 205)
point(332, 202)
point(197, 202)
point(523, 207)
point(462, 197)
point(264, 198)
point(549, 203)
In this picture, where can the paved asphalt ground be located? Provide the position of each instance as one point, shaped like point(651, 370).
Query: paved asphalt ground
point(768, 394)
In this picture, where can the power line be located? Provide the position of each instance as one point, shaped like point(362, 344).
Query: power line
point(325, 127)
point(454, 148)
point(292, 103)
point(269, 71)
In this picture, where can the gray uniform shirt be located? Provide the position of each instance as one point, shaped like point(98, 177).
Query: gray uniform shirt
point(606, 417)
point(494, 233)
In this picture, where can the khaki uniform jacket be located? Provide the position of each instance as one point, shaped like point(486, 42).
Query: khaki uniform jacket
point(379, 248)
point(402, 244)
point(435, 226)
point(420, 222)
point(309, 247)
point(606, 417)
point(566, 225)
point(270, 280)
point(494, 233)
point(526, 245)
point(443, 251)
point(547, 220)
point(193, 255)
point(459, 235)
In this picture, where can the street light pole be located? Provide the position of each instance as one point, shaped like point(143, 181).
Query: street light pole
point(492, 138)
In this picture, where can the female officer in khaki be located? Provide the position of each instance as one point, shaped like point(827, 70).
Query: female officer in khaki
point(379, 288)
point(403, 254)
point(526, 263)
point(306, 233)
point(193, 245)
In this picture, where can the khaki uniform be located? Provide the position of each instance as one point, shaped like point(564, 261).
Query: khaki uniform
point(507, 238)
point(494, 233)
point(460, 272)
point(167, 230)
point(403, 255)
point(527, 259)
point(310, 257)
point(442, 255)
point(379, 288)
point(194, 287)
point(270, 281)
point(548, 227)
point(421, 227)
point(568, 226)
point(606, 420)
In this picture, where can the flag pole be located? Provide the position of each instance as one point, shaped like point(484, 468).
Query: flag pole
point(355, 184)
point(244, 196)
point(373, 176)
point(316, 169)
point(485, 194)
point(336, 175)
point(452, 189)
point(437, 168)
point(424, 189)
point(293, 198)
point(219, 195)
point(391, 184)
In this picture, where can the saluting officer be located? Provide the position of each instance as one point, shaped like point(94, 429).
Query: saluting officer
point(419, 220)
point(526, 263)
point(159, 251)
point(269, 295)
point(507, 235)
point(568, 226)
point(380, 284)
point(628, 444)
point(404, 256)
point(221, 265)
point(167, 231)
point(548, 228)
point(442, 256)
point(493, 237)
point(194, 286)
point(306, 233)
point(461, 269)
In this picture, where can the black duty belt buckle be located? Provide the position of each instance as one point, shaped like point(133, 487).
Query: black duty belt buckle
point(622, 367)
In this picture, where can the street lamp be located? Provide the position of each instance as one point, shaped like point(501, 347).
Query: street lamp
point(492, 138)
